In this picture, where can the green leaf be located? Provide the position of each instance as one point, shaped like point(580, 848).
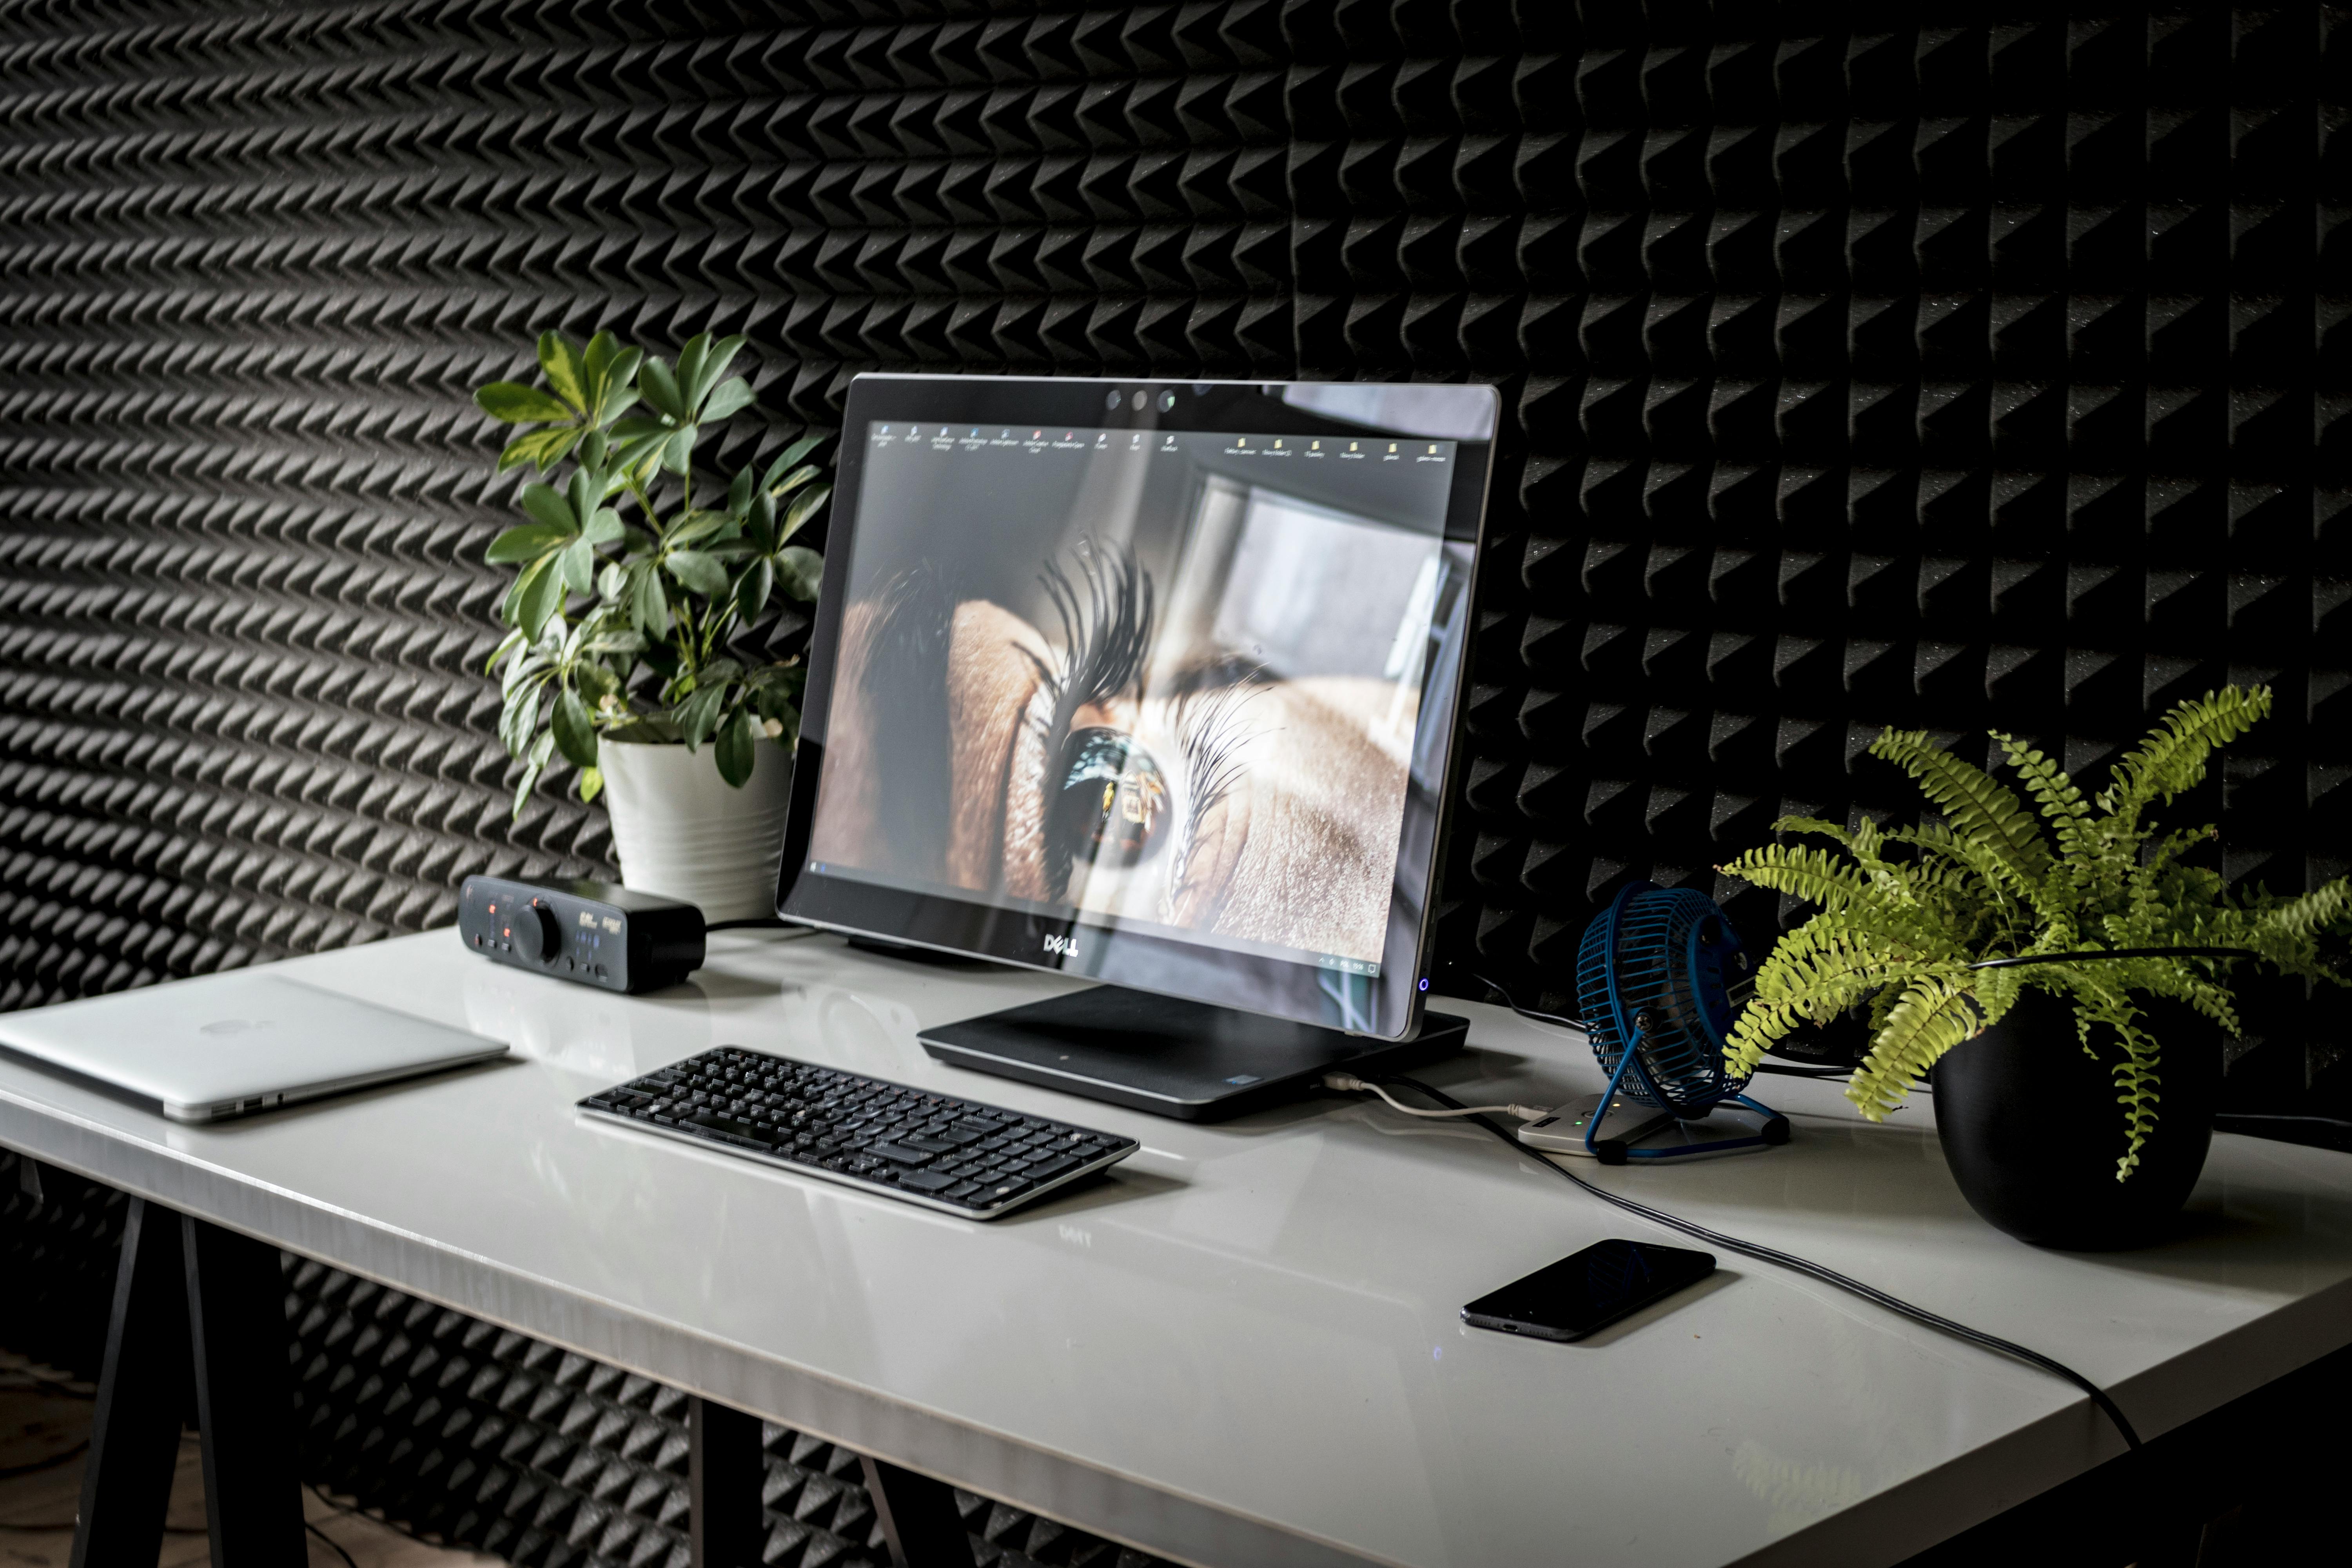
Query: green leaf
point(621, 386)
point(753, 588)
point(515, 404)
point(677, 452)
point(533, 766)
point(739, 494)
point(585, 491)
point(714, 364)
point(661, 390)
point(695, 526)
point(592, 784)
point(698, 714)
point(541, 449)
point(596, 364)
point(759, 521)
point(803, 507)
point(519, 716)
point(795, 479)
point(550, 509)
point(513, 640)
point(603, 526)
point(577, 564)
point(559, 358)
point(574, 735)
point(618, 642)
point(525, 541)
point(736, 758)
point(543, 596)
point(689, 370)
point(648, 605)
point(729, 398)
point(699, 571)
point(792, 454)
point(799, 571)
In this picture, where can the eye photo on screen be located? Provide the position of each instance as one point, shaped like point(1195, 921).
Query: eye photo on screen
point(1165, 681)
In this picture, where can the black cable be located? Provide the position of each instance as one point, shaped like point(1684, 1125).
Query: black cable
point(389, 1523)
point(2117, 952)
point(62, 1457)
point(1827, 1275)
point(1579, 1025)
point(1790, 1070)
point(2222, 1116)
point(336, 1545)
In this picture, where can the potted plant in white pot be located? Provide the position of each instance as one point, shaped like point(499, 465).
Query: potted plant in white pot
point(2072, 985)
point(637, 580)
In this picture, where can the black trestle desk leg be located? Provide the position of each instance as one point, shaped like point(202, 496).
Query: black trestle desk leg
point(245, 1399)
point(726, 1471)
point(918, 1516)
point(134, 1436)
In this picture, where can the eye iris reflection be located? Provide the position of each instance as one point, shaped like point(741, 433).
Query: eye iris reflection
point(1112, 801)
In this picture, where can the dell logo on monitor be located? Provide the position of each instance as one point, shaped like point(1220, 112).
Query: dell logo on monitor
point(1066, 946)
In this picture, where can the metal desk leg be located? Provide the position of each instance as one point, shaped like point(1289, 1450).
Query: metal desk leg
point(726, 1471)
point(918, 1516)
point(245, 1399)
point(134, 1437)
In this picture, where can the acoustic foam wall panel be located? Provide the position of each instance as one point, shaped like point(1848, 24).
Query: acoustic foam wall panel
point(1951, 365)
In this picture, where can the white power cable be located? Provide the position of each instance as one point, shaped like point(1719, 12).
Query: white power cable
point(1349, 1083)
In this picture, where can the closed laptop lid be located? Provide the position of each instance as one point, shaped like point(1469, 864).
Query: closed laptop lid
point(212, 1043)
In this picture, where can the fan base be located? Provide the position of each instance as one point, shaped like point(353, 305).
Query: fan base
point(1630, 1130)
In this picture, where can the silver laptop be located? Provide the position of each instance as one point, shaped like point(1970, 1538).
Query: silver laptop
point(229, 1045)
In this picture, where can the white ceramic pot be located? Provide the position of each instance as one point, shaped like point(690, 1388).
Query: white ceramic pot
point(682, 831)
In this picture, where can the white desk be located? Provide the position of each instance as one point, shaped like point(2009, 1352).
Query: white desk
point(1244, 1348)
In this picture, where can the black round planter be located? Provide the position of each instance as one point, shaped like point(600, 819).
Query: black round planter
point(2033, 1131)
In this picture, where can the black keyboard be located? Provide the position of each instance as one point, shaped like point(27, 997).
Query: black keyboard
point(930, 1148)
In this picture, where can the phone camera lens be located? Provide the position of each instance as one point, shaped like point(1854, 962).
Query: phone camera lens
point(1167, 401)
point(1138, 400)
point(1112, 401)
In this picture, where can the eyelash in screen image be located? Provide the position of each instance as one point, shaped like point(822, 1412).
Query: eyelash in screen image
point(1209, 733)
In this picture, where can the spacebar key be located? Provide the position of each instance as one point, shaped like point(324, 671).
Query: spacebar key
point(927, 1180)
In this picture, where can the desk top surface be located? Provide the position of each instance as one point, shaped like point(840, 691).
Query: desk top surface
point(1245, 1346)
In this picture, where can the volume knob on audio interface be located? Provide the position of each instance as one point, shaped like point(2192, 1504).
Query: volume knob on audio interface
point(536, 934)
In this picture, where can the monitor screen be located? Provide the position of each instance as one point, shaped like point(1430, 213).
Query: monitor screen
point(1162, 695)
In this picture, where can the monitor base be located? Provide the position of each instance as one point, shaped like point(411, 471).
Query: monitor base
point(1171, 1058)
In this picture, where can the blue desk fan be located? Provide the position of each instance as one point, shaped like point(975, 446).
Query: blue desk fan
point(1660, 976)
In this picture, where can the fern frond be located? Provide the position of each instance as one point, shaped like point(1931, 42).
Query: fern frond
point(2052, 789)
point(1817, 971)
point(1827, 830)
point(1934, 1014)
point(1978, 805)
point(1815, 876)
point(2101, 996)
point(2172, 757)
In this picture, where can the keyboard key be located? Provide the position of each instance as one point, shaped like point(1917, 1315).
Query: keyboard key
point(1046, 1170)
point(900, 1153)
point(927, 1180)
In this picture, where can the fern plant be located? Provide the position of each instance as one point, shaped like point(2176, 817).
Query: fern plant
point(1907, 914)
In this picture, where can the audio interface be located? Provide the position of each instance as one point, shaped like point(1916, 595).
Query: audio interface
point(597, 934)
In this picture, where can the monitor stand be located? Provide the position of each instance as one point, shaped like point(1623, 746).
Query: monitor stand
point(1185, 1059)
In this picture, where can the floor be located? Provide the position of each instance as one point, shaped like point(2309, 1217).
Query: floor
point(44, 1436)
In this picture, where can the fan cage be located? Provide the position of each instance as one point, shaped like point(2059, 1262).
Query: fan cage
point(1669, 985)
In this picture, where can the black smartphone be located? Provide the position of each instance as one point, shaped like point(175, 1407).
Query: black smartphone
point(1588, 1289)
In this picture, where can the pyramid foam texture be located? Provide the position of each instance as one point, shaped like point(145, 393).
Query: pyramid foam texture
point(1942, 365)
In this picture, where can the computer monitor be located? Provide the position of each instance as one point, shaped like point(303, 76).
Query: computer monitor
point(1149, 681)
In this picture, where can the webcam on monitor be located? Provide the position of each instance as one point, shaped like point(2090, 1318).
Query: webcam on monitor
point(1156, 684)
